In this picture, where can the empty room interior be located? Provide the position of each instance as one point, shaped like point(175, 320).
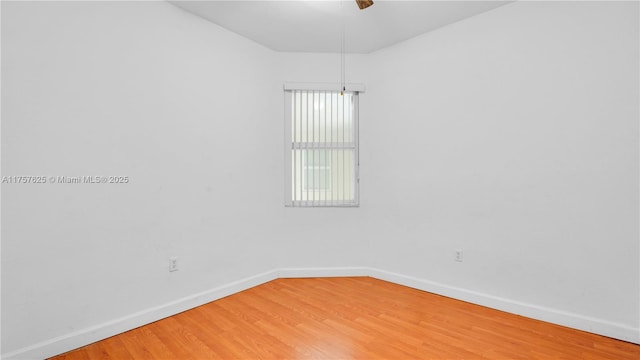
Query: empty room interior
point(309, 179)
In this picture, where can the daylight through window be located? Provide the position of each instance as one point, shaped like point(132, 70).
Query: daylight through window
point(321, 148)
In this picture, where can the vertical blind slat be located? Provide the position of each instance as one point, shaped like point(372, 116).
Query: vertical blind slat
point(342, 197)
point(306, 155)
point(313, 151)
point(293, 150)
point(332, 152)
point(326, 158)
point(299, 170)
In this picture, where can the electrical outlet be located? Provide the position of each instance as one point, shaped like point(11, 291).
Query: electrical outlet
point(458, 257)
point(173, 264)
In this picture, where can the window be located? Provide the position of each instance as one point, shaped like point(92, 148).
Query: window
point(316, 163)
point(321, 149)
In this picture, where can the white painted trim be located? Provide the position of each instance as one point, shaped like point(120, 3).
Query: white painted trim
point(323, 86)
point(323, 272)
point(89, 335)
point(98, 332)
point(555, 316)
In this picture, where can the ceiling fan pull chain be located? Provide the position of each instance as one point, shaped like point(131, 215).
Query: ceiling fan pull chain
point(342, 50)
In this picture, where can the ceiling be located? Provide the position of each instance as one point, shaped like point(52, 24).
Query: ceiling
point(316, 26)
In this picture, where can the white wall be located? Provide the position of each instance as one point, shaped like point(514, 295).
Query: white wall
point(512, 135)
point(145, 90)
point(341, 239)
point(148, 91)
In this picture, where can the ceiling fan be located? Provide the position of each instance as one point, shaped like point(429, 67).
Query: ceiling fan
point(363, 4)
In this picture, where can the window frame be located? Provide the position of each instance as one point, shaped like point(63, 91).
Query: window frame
point(354, 90)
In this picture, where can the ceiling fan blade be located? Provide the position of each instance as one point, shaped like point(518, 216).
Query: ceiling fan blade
point(363, 4)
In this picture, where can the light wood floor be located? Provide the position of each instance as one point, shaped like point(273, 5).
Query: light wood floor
point(350, 318)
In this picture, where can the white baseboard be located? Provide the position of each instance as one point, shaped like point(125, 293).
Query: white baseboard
point(92, 334)
point(559, 317)
point(323, 272)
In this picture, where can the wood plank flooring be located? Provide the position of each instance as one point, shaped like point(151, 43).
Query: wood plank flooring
point(350, 318)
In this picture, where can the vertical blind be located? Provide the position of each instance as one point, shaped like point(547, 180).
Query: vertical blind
point(322, 148)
